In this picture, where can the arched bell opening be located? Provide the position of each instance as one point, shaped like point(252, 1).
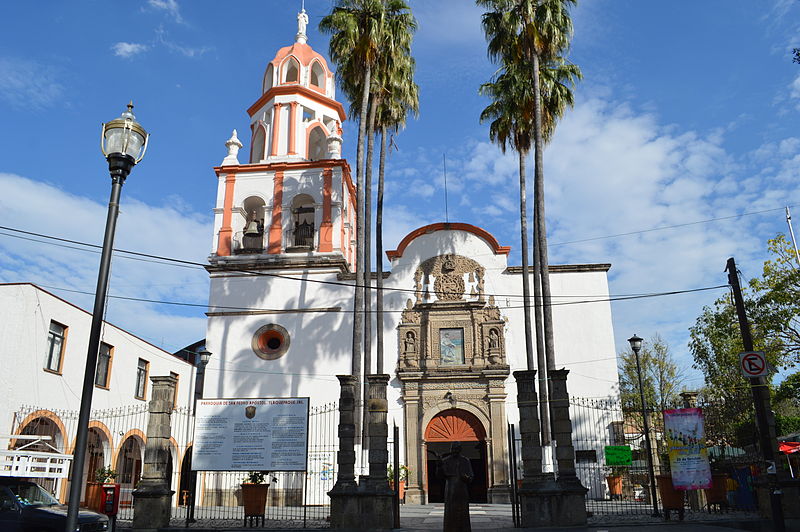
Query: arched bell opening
point(251, 238)
point(303, 231)
point(446, 428)
point(317, 144)
point(291, 71)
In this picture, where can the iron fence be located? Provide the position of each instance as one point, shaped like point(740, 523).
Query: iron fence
point(625, 490)
point(294, 499)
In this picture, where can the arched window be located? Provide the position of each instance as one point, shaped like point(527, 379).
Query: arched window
point(291, 71)
point(259, 144)
point(317, 148)
point(268, 78)
point(317, 75)
point(303, 218)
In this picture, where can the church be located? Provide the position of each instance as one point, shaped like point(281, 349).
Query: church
point(282, 280)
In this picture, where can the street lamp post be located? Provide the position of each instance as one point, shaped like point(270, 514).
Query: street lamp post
point(123, 141)
point(199, 384)
point(636, 346)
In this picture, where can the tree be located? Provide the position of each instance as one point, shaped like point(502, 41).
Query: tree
point(529, 93)
point(528, 37)
point(354, 26)
point(796, 53)
point(397, 96)
point(662, 380)
point(773, 310)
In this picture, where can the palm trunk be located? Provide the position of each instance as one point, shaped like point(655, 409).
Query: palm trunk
point(379, 254)
point(367, 281)
point(358, 302)
point(541, 227)
point(526, 284)
point(541, 361)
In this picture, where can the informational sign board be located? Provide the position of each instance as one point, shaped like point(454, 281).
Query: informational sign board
point(753, 364)
point(262, 434)
point(618, 455)
point(686, 442)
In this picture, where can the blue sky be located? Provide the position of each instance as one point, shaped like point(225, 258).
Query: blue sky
point(688, 112)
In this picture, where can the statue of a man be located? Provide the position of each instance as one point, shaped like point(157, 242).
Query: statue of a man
point(457, 473)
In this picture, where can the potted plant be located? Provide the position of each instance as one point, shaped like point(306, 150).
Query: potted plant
point(94, 490)
point(402, 473)
point(614, 481)
point(254, 495)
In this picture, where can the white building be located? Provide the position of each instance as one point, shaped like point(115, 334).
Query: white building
point(43, 356)
point(280, 307)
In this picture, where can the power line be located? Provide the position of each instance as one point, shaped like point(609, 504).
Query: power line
point(186, 263)
point(257, 309)
point(665, 227)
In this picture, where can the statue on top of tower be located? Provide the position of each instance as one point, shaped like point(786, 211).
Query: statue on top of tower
point(302, 23)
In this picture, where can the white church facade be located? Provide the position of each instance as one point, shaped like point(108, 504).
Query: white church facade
point(282, 282)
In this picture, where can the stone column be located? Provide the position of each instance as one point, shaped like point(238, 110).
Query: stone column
point(414, 460)
point(344, 504)
point(531, 446)
point(151, 499)
point(572, 507)
point(499, 488)
point(562, 425)
point(376, 504)
point(378, 430)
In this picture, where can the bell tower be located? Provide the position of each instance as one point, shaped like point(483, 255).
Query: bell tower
point(293, 201)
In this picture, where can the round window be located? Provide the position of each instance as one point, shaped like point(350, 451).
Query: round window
point(270, 342)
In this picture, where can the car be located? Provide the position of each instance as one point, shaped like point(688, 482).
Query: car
point(27, 507)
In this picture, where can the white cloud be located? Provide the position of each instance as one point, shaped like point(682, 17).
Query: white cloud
point(169, 6)
point(27, 84)
point(794, 88)
point(141, 227)
point(188, 51)
point(128, 49)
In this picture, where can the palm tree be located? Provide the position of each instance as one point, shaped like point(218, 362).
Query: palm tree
point(529, 37)
point(529, 94)
point(354, 26)
point(397, 97)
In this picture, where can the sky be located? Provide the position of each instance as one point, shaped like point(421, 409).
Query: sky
point(682, 148)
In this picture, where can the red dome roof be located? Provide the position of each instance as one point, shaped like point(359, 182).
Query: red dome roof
point(303, 52)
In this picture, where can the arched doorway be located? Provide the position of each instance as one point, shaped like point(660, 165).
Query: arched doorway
point(455, 425)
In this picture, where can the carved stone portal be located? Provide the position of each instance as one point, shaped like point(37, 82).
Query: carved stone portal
point(452, 355)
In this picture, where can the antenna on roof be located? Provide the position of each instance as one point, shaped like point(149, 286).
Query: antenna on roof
point(444, 166)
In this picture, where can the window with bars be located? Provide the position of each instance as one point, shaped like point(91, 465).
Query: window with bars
point(141, 378)
point(102, 376)
point(56, 338)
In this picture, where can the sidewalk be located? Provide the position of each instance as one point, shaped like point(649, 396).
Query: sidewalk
point(497, 517)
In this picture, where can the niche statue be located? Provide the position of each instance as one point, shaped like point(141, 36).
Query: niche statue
point(457, 473)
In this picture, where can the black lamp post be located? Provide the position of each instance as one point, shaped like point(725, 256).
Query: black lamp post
point(636, 346)
point(123, 141)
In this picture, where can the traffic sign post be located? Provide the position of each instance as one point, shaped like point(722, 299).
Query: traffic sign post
point(753, 364)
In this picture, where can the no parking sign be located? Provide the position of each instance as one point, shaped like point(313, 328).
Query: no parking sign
point(753, 364)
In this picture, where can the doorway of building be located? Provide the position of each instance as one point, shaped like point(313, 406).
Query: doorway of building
point(447, 427)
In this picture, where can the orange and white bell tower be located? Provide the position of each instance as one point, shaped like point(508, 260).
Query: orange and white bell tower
point(294, 197)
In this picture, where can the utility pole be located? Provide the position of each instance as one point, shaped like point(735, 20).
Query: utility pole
point(758, 385)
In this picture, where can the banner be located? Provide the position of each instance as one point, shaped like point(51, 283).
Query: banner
point(688, 456)
point(260, 434)
point(618, 455)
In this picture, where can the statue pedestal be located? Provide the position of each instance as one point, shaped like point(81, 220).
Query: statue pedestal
point(547, 502)
point(151, 506)
point(357, 508)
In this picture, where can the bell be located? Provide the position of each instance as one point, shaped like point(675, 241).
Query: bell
point(252, 229)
